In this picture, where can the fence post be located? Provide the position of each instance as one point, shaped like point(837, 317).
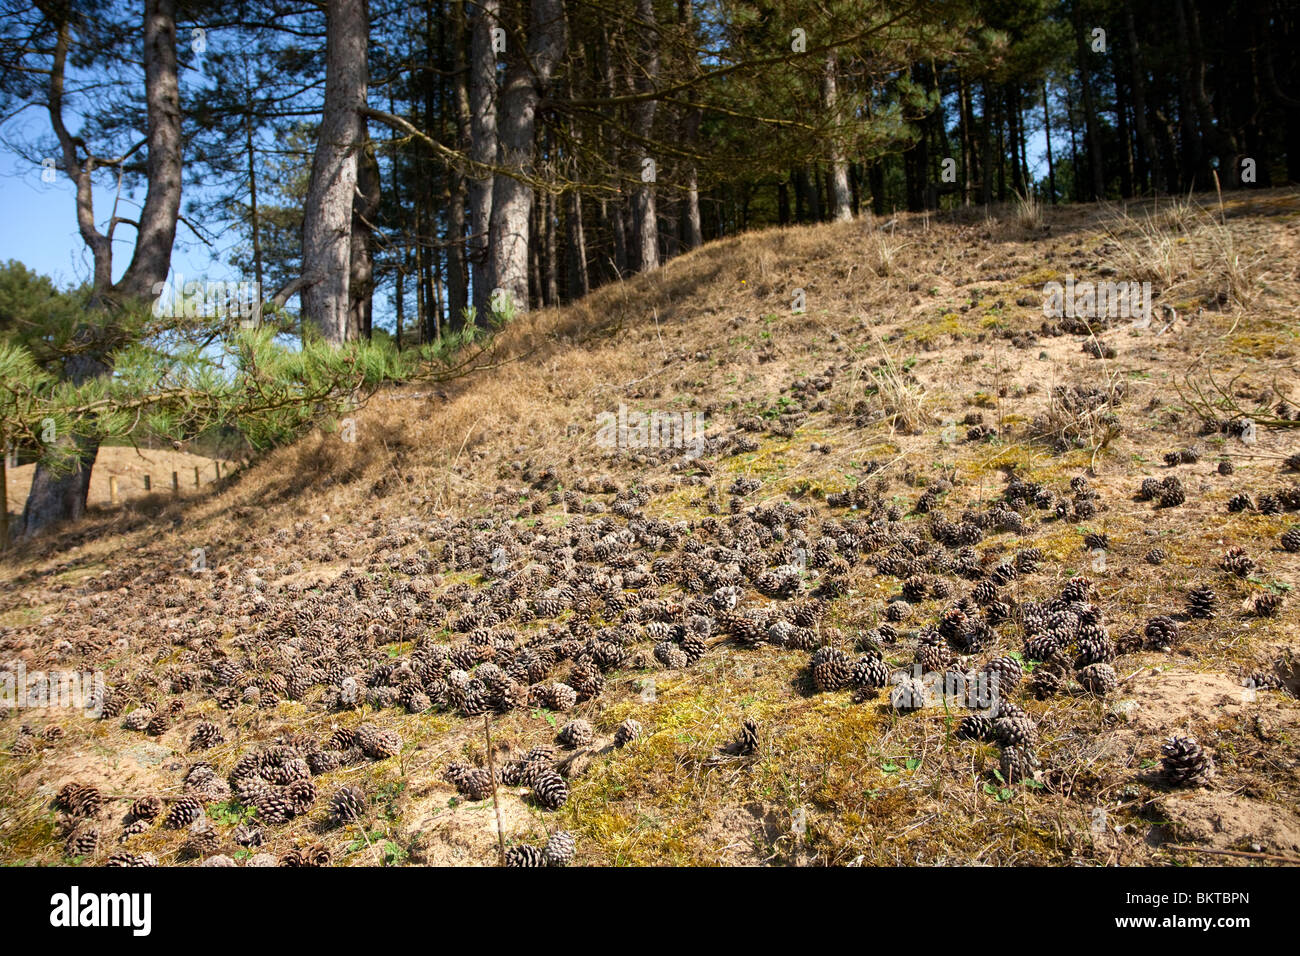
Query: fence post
point(148, 483)
point(112, 489)
point(176, 482)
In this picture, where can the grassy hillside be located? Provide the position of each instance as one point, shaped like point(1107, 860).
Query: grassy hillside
point(912, 469)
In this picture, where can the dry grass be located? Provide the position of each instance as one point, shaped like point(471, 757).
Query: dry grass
point(1188, 251)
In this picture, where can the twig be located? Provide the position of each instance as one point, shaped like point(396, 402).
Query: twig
point(496, 803)
point(1277, 858)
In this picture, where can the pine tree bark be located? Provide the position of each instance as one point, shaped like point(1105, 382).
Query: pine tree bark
point(457, 273)
point(576, 247)
point(840, 198)
point(986, 145)
point(511, 198)
point(365, 208)
point(1140, 121)
point(327, 216)
point(645, 217)
point(483, 150)
point(1092, 131)
point(1047, 129)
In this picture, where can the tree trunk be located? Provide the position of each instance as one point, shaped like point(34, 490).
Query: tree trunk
point(153, 246)
point(1011, 100)
point(483, 149)
point(1092, 131)
point(512, 199)
point(365, 207)
point(61, 496)
point(327, 217)
point(643, 115)
point(1138, 72)
point(1125, 139)
point(550, 213)
point(579, 279)
point(986, 146)
point(1047, 129)
point(457, 274)
point(967, 157)
point(876, 177)
point(841, 200)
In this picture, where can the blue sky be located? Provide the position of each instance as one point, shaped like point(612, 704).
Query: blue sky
point(39, 225)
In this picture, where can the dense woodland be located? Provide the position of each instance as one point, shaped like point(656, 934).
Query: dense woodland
point(442, 162)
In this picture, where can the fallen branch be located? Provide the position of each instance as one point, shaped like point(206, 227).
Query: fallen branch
point(1272, 857)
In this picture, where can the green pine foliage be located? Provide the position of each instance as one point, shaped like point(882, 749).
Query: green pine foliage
point(179, 377)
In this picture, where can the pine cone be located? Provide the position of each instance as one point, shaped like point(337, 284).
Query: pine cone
point(1266, 604)
point(831, 668)
point(576, 733)
point(628, 731)
point(473, 783)
point(975, 727)
point(272, 805)
point(909, 694)
point(122, 858)
point(1240, 502)
point(1156, 556)
point(138, 719)
point(1045, 682)
point(1161, 632)
point(898, 611)
point(378, 744)
point(1171, 493)
point(158, 725)
point(342, 739)
point(747, 743)
point(201, 842)
point(1076, 590)
point(525, 855)
point(869, 672)
point(301, 794)
point(1018, 763)
point(1008, 670)
point(312, 856)
point(347, 804)
point(587, 680)
point(1202, 602)
point(205, 736)
point(83, 841)
point(248, 836)
point(1098, 679)
point(323, 761)
point(1185, 763)
point(1265, 680)
point(1237, 562)
point(1291, 539)
point(147, 808)
point(79, 800)
point(560, 848)
point(1269, 504)
point(550, 790)
point(1015, 731)
point(182, 813)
